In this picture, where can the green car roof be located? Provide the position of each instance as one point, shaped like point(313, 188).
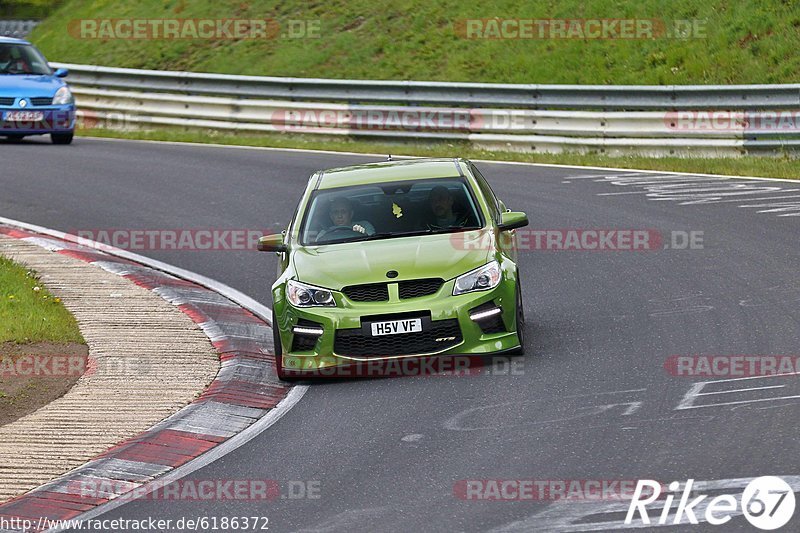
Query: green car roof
point(388, 171)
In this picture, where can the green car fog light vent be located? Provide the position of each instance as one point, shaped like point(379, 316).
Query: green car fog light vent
point(305, 330)
point(485, 313)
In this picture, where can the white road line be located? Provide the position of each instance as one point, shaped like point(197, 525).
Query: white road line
point(739, 390)
point(604, 176)
point(622, 193)
point(758, 199)
point(687, 402)
point(785, 374)
point(741, 402)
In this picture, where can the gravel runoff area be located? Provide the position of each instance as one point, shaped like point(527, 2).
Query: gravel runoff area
point(147, 359)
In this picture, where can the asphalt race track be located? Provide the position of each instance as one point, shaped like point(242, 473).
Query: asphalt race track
point(591, 400)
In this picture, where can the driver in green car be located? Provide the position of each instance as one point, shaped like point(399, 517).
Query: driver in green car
point(341, 214)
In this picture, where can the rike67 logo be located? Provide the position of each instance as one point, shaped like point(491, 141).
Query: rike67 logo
point(767, 503)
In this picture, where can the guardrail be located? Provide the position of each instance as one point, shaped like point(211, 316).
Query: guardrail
point(17, 28)
point(651, 120)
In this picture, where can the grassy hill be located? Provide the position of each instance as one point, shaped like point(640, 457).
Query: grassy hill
point(742, 42)
point(26, 9)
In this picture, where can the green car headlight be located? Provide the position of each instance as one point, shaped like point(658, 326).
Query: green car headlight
point(302, 295)
point(481, 279)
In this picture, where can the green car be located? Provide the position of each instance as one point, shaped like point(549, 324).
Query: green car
point(395, 260)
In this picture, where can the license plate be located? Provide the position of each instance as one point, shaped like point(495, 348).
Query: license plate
point(23, 116)
point(393, 327)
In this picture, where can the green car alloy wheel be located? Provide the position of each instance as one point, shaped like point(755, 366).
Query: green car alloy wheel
point(399, 260)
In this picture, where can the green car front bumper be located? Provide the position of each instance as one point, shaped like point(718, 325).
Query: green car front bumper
point(451, 325)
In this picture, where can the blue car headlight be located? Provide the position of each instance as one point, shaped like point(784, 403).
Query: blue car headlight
point(63, 97)
point(481, 279)
point(303, 295)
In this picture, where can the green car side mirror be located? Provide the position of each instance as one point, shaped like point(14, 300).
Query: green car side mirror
point(271, 243)
point(513, 220)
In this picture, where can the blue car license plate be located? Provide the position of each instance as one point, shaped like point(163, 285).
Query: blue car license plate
point(23, 116)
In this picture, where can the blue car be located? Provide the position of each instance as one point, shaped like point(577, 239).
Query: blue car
point(34, 100)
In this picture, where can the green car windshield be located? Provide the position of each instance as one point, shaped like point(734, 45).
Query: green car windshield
point(387, 210)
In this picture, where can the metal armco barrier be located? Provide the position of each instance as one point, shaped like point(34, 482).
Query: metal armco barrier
point(16, 28)
point(700, 121)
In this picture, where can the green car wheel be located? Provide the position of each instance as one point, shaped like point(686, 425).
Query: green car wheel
point(276, 340)
point(520, 322)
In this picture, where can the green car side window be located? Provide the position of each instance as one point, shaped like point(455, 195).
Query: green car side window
point(491, 199)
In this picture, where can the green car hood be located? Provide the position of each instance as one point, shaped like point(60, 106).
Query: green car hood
point(443, 256)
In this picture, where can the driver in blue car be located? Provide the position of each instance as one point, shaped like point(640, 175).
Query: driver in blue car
point(10, 64)
point(6, 60)
point(341, 215)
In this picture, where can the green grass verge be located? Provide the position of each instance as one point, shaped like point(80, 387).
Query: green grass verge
point(28, 312)
point(27, 9)
point(747, 41)
point(782, 167)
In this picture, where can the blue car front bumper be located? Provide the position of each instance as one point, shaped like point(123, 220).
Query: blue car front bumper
point(37, 120)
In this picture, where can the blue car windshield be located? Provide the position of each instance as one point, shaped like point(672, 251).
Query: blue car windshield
point(22, 59)
point(386, 210)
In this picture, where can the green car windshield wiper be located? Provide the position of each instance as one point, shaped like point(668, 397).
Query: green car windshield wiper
point(387, 234)
point(384, 234)
point(449, 229)
point(426, 231)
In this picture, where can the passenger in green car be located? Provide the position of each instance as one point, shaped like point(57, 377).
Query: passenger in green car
point(445, 213)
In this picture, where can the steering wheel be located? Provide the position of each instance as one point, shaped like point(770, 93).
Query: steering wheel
point(339, 230)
